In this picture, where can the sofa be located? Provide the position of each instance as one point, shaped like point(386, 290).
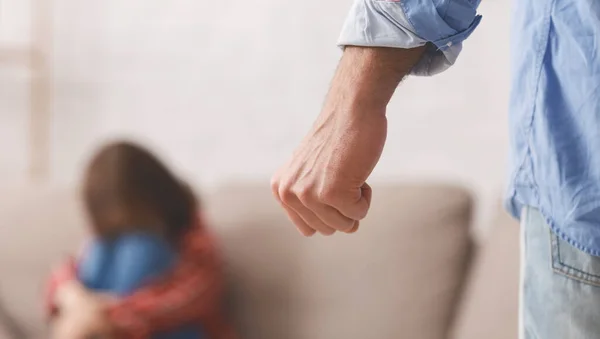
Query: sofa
point(414, 269)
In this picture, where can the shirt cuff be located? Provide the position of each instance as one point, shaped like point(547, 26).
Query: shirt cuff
point(442, 24)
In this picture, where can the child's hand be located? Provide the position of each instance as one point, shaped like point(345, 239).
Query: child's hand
point(69, 295)
point(82, 314)
point(71, 327)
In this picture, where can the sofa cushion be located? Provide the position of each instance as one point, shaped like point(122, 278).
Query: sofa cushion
point(10, 328)
point(5, 333)
point(399, 276)
point(40, 226)
point(490, 307)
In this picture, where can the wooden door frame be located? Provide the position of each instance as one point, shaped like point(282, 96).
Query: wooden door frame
point(40, 89)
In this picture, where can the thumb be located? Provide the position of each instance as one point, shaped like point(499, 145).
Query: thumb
point(367, 193)
point(356, 208)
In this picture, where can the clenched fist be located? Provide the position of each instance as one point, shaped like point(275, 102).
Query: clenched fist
point(323, 187)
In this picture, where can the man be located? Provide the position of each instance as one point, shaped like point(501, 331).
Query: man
point(555, 140)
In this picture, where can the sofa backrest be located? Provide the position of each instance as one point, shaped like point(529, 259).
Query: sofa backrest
point(399, 276)
point(490, 306)
point(39, 226)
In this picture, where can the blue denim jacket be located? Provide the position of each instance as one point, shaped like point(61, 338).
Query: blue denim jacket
point(555, 99)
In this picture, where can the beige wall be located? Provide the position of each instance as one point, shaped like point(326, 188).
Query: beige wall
point(225, 89)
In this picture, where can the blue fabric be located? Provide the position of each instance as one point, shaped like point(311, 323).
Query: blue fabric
point(126, 264)
point(445, 24)
point(555, 99)
point(555, 117)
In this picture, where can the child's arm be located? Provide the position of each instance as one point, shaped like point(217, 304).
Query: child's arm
point(65, 272)
point(191, 293)
point(59, 278)
point(82, 314)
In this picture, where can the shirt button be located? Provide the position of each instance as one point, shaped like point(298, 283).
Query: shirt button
point(449, 44)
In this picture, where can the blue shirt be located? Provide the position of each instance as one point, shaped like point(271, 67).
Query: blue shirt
point(555, 99)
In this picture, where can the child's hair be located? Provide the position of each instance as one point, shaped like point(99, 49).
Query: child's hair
point(127, 189)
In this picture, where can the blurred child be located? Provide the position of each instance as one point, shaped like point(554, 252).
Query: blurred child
point(140, 214)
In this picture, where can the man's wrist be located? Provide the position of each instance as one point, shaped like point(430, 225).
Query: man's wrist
point(367, 77)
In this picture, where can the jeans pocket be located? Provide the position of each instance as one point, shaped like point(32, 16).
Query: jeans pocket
point(574, 263)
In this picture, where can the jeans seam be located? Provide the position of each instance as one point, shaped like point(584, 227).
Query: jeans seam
point(577, 277)
point(567, 270)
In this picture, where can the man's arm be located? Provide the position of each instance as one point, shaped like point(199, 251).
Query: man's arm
point(323, 186)
point(368, 76)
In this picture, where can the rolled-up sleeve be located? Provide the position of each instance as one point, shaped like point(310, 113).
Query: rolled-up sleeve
point(442, 25)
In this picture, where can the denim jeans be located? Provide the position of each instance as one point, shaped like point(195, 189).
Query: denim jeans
point(560, 285)
point(126, 264)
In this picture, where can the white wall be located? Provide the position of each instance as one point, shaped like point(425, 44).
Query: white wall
point(225, 89)
point(14, 30)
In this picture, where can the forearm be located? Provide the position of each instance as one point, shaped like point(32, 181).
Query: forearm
point(368, 76)
point(62, 276)
point(165, 306)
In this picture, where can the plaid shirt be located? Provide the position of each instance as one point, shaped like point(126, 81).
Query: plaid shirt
point(191, 293)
